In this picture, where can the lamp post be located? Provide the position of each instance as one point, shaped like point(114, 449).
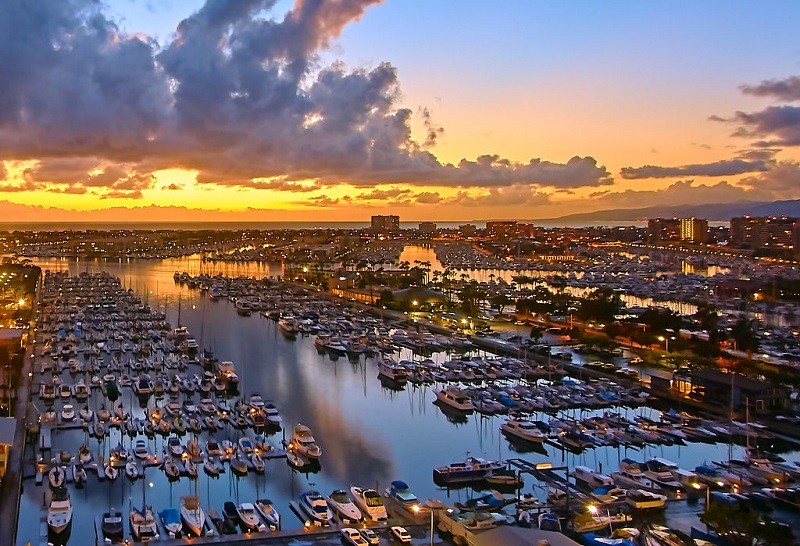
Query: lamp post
point(666, 343)
point(417, 509)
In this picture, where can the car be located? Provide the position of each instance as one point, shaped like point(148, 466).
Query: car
point(370, 536)
point(352, 536)
point(400, 534)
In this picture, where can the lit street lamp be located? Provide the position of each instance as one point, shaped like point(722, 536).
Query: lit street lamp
point(417, 509)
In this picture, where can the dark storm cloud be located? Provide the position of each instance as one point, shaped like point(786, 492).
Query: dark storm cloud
point(718, 168)
point(238, 96)
point(773, 126)
point(786, 90)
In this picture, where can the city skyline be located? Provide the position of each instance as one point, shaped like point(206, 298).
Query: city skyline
point(336, 111)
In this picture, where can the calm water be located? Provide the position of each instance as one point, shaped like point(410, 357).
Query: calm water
point(369, 435)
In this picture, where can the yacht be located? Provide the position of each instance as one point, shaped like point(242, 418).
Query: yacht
point(342, 505)
point(192, 516)
point(399, 491)
point(79, 476)
point(390, 369)
point(524, 430)
point(59, 513)
point(370, 503)
point(56, 477)
point(268, 512)
point(645, 500)
point(315, 506)
point(288, 325)
point(304, 443)
point(455, 398)
point(249, 517)
point(171, 520)
point(636, 480)
point(112, 526)
point(591, 478)
point(471, 470)
point(143, 524)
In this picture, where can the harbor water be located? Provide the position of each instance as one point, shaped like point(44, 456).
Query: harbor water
point(369, 434)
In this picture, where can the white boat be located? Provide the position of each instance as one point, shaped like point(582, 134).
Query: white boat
point(140, 450)
point(211, 468)
point(390, 369)
point(131, 470)
point(249, 517)
point(192, 516)
point(86, 414)
point(524, 430)
point(272, 415)
point(636, 480)
point(315, 506)
point(399, 491)
point(591, 478)
point(110, 472)
point(59, 512)
point(175, 446)
point(455, 398)
point(143, 524)
point(268, 512)
point(370, 503)
point(257, 462)
point(343, 506)
point(171, 469)
point(645, 500)
point(288, 325)
point(304, 443)
point(245, 445)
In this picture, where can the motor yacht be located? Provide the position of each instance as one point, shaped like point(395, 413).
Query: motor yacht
point(59, 513)
point(455, 398)
point(249, 517)
point(171, 520)
point(343, 506)
point(143, 524)
point(315, 506)
point(304, 443)
point(369, 502)
point(268, 512)
point(524, 430)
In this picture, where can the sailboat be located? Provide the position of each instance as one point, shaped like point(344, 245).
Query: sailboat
point(143, 522)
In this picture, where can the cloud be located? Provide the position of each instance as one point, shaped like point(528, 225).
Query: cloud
point(427, 198)
point(681, 192)
point(774, 125)
point(173, 187)
point(511, 196)
point(785, 90)
point(237, 96)
point(382, 195)
point(783, 180)
point(3, 171)
point(717, 168)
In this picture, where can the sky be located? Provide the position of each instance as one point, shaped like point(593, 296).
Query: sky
point(445, 110)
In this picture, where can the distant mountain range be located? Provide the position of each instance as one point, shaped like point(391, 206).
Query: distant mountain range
point(712, 212)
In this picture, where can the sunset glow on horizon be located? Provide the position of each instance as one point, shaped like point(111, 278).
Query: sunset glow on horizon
point(334, 110)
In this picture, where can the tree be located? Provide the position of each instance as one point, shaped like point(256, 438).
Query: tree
point(744, 336)
point(471, 297)
point(601, 305)
point(500, 301)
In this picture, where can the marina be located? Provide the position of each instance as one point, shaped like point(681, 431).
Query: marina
point(362, 422)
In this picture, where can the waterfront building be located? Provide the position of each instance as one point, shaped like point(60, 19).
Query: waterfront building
point(385, 223)
point(427, 228)
point(737, 391)
point(765, 232)
point(501, 230)
point(694, 230)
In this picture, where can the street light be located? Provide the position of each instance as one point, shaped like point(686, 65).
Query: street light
point(417, 509)
point(666, 340)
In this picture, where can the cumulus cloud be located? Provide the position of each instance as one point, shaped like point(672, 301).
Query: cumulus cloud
point(783, 180)
point(682, 192)
point(237, 96)
point(717, 168)
point(786, 90)
point(511, 196)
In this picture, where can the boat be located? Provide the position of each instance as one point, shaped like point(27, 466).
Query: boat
point(272, 415)
point(171, 520)
point(548, 521)
point(140, 450)
point(304, 443)
point(59, 513)
point(211, 468)
point(79, 476)
point(175, 446)
point(245, 445)
point(249, 517)
point(112, 526)
point(257, 462)
point(343, 506)
point(524, 430)
point(370, 503)
point(193, 516)
point(68, 412)
point(238, 465)
point(591, 478)
point(143, 524)
point(86, 414)
point(455, 398)
point(471, 470)
point(399, 491)
point(268, 512)
point(591, 539)
point(590, 521)
point(85, 455)
point(171, 469)
point(231, 515)
point(392, 370)
point(645, 500)
point(131, 470)
point(191, 468)
point(56, 477)
point(315, 506)
point(288, 325)
point(110, 472)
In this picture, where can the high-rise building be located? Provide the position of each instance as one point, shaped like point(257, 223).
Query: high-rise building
point(764, 232)
point(385, 224)
point(664, 230)
point(694, 230)
point(501, 230)
point(427, 228)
